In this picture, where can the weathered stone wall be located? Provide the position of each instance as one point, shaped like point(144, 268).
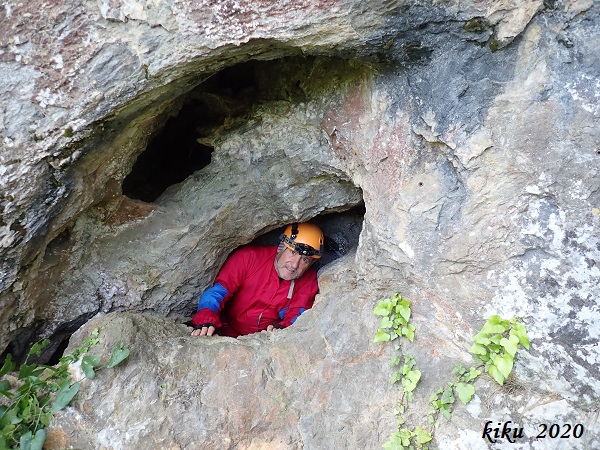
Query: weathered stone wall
point(469, 131)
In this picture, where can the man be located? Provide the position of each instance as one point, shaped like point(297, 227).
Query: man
point(262, 288)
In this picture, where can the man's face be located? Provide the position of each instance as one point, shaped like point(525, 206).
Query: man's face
point(291, 265)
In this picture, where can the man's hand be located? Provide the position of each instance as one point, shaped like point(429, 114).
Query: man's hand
point(269, 328)
point(206, 329)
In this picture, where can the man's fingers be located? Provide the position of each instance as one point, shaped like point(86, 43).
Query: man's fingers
point(270, 328)
point(204, 331)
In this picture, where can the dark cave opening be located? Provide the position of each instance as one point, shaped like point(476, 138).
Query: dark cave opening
point(181, 147)
point(178, 151)
point(170, 158)
point(340, 229)
point(50, 355)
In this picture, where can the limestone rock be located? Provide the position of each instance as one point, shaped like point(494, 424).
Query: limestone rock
point(469, 131)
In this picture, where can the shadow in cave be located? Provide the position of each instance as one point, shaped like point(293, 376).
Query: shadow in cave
point(50, 353)
point(341, 231)
point(183, 146)
point(178, 151)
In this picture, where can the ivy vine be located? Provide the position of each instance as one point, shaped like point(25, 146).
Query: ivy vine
point(495, 346)
point(29, 396)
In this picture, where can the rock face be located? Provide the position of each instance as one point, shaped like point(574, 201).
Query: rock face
point(469, 132)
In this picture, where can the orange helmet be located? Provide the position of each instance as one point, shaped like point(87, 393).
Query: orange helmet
point(304, 238)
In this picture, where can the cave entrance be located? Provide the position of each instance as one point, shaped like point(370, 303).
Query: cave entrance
point(340, 229)
point(177, 151)
point(183, 146)
point(172, 156)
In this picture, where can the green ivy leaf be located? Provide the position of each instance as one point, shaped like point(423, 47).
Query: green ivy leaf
point(495, 325)
point(403, 308)
point(119, 354)
point(496, 339)
point(519, 330)
point(410, 332)
point(447, 397)
point(481, 339)
point(30, 442)
point(88, 362)
point(473, 373)
point(422, 435)
point(10, 417)
point(478, 349)
point(25, 441)
point(36, 349)
point(38, 440)
point(504, 364)
point(64, 397)
point(465, 392)
point(29, 370)
point(459, 370)
point(382, 336)
point(383, 308)
point(8, 365)
point(446, 412)
point(385, 323)
point(45, 419)
point(4, 388)
point(495, 348)
point(510, 346)
point(496, 375)
point(410, 381)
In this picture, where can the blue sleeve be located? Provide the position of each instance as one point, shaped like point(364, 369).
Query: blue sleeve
point(212, 298)
point(293, 318)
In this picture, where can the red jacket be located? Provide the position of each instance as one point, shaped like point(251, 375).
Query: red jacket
point(248, 295)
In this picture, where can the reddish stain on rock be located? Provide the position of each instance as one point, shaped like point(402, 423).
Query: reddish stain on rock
point(123, 210)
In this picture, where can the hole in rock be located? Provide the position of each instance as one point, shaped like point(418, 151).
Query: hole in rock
point(176, 151)
point(181, 148)
point(341, 231)
point(172, 156)
point(59, 340)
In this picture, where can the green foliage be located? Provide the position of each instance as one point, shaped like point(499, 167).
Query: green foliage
point(495, 345)
point(475, 25)
point(30, 397)
point(442, 401)
point(395, 321)
point(118, 355)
